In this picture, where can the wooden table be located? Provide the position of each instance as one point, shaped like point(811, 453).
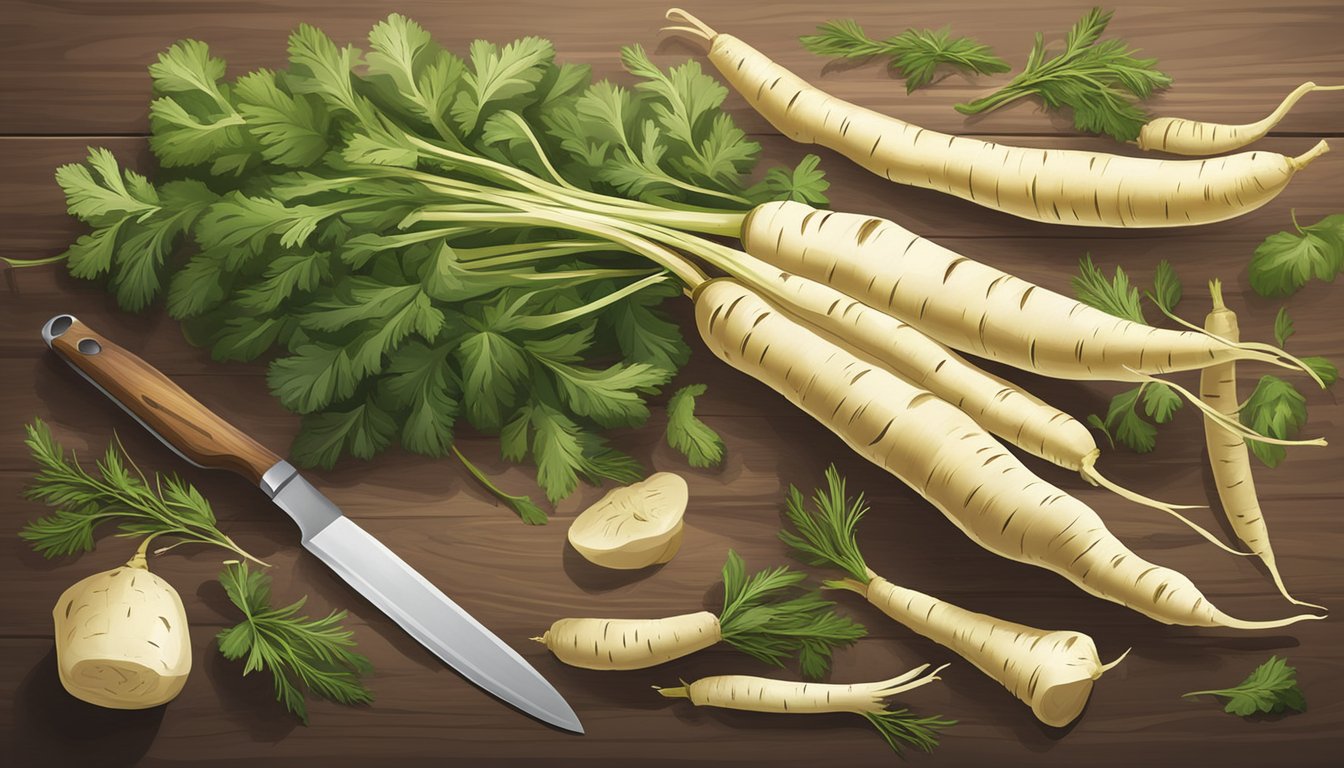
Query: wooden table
point(73, 74)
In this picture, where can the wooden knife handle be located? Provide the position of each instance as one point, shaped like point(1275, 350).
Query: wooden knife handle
point(166, 409)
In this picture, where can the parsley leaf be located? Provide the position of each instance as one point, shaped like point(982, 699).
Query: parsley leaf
point(1099, 80)
point(690, 436)
point(1324, 368)
point(1114, 296)
point(1167, 289)
point(299, 652)
point(1275, 409)
point(1286, 261)
point(916, 54)
point(1270, 689)
point(1124, 425)
point(1283, 326)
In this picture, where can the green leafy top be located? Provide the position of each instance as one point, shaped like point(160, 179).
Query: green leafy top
point(1270, 689)
point(701, 445)
point(1118, 296)
point(916, 54)
point(299, 652)
point(826, 536)
point(1286, 261)
point(756, 621)
point(1100, 80)
point(428, 241)
point(119, 493)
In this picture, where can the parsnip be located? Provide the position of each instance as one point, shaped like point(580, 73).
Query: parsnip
point(946, 457)
point(633, 526)
point(1057, 186)
point(973, 307)
point(760, 694)
point(1229, 459)
point(1183, 136)
point(755, 619)
point(1002, 408)
point(1051, 671)
point(121, 638)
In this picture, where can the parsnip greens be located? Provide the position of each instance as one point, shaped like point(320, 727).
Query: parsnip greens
point(701, 445)
point(915, 54)
point(1118, 296)
point(428, 240)
point(1100, 81)
point(117, 493)
point(317, 654)
point(1286, 261)
point(1270, 689)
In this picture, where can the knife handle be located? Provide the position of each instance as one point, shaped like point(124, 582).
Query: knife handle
point(175, 417)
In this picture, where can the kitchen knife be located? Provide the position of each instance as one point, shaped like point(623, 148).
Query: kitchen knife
point(196, 434)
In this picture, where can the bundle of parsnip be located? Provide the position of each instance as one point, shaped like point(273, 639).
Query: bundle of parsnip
point(426, 238)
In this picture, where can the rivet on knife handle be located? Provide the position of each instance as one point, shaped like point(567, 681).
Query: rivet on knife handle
point(174, 416)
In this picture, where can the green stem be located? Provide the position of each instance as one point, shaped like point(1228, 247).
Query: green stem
point(21, 263)
point(542, 322)
point(521, 504)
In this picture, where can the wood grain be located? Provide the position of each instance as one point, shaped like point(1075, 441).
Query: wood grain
point(72, 75)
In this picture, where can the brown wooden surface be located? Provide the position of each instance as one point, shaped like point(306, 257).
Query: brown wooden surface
point(72, 74)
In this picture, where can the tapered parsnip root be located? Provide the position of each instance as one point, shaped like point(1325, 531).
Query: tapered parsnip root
point(996, 404)
point(1057, 186)
point(973, 307)
point(121, 638)
point(1182, 136)
point(758, 694)
point(946, 457)
point(1052, 672)
point(758, 618)
point(630, 643)
point(1228, 457)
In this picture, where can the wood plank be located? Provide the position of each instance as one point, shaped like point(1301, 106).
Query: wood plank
point(424, 710)
point(1243, 59)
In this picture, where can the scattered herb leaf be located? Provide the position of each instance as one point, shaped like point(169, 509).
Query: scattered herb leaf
point(1286, 261)
point(916, 54)
point(701, 445)
point(1270, 689)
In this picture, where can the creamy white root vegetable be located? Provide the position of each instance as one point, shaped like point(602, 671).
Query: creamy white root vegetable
point(761, 694)
point(1050, 671)
point(1057, 186)
point(1229, 459)
point(121, 638)
point(1183, 136)
point(633, 526)
point(941, 453)
point(763, 615)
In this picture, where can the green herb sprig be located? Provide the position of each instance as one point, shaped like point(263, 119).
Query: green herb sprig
point(757, 622)
point(300, 653)
point(118, 493)
point(1286, 261)
point(915, 54)
point(1118, 296)
point(1099, 80)
point(1270, 689)
point(692, 437)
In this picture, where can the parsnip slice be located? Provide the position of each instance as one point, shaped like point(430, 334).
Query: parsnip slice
point(634, 526)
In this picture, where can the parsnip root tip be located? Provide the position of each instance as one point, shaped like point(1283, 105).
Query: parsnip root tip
point(1108, 667)
point(1304, 159)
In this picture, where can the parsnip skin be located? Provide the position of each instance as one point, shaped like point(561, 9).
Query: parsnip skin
point(1229, 459)
point(611, 644)
point(1182, 136)
point(996, 404)
point(1051, 671)
point(970, 306)
point(946, 457)
point(1056, 186)
point(121, 639)
point(762, 694)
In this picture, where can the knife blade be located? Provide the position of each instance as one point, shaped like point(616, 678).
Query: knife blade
point(204, 439)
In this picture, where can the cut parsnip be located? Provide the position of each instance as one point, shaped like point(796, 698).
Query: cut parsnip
point(634, 526)
point(121, 638)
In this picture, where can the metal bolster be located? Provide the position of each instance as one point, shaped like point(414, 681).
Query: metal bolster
point(276, 477)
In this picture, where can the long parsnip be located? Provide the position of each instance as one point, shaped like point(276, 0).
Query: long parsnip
point(946, 457)
point(1057, 186)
